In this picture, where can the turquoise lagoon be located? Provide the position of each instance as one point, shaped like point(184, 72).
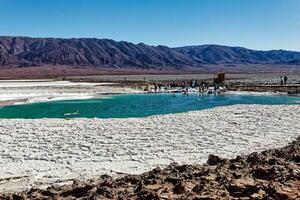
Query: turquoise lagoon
point(136, 105)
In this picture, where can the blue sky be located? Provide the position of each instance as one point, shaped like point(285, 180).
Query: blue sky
point(256, 24)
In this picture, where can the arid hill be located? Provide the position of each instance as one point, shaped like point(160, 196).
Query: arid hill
point(105, 53)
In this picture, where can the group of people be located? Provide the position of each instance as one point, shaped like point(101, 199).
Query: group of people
point(184, 85)
point(283, 80)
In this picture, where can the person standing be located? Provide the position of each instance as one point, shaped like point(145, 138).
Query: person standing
point(285, 79)
point(155, 87)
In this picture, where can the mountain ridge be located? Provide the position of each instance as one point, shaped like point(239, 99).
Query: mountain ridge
point(108, 53)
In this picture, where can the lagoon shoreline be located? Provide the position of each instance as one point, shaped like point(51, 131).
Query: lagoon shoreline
point(15, 92)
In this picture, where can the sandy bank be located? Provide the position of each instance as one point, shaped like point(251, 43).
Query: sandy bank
point(45, 151)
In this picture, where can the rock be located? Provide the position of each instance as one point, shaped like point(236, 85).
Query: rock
point(179, 188)
point(173, 180)
point(154, 187)
point(242, 187)
point(47, 193)
point(133, 179)
point(272, 161)
point(214, 160)
point(279, 191)
point(139, 187)
point(105, 191)
point(107, 182)
point(232, 166)
point(259, 195)
point(296, 158)
point(202, 172)
point(17, 197)
point(77, 191)
point(254, 158)
point(204, 197)
point(182, 168)
point(262, 173)
point(198, 188)
point(147, 195)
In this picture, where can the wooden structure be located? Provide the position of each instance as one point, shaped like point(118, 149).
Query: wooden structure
point(219, 78)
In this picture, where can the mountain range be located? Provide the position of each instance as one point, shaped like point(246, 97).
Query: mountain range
point(106, 53)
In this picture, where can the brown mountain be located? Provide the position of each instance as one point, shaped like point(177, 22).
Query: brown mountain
point(26, 51)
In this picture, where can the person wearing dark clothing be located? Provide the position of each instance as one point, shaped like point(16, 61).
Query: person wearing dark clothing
point(285, 79)
point(155, 87)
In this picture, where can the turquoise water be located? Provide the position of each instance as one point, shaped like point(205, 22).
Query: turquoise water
point(138, 105)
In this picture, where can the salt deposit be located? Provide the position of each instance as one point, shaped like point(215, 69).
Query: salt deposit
point(46, 151)
point(30, 91)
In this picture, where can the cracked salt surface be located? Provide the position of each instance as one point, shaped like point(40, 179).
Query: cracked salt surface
point(45, 151)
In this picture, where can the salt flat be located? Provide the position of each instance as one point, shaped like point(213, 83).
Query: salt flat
point(29, 91)
point(46, 151)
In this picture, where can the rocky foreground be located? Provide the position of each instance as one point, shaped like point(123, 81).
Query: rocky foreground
point(271, 174)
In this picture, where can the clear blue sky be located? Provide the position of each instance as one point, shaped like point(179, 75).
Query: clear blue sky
point(256, 24)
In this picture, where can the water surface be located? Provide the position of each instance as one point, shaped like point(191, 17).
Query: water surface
point(135, 105)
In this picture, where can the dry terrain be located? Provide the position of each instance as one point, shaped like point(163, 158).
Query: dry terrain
point(40, 152)
point(272, 174)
